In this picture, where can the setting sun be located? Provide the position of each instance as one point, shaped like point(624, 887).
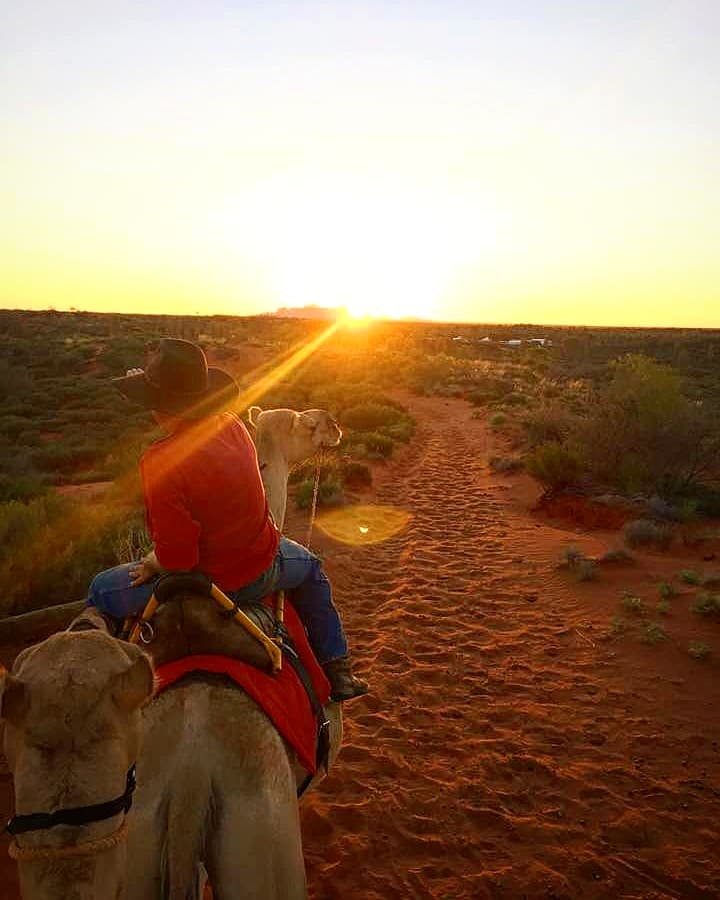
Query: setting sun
point(375, 246)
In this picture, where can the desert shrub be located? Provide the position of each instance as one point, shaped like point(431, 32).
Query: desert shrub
point(646, 533)
point(425, 373)
point(587, 570)
point(554, 466)
point(653, 633)
point(401, 431)
point(663, 607)
point(52, 547)
point(13, 426)
point(356, 474)
point(330, 492)
point(667, 591)
point(369, 416)
point(698, 650)
point(328, 469)
point(505, 463)
point(21, 487)
point(516, 399)
point(571, 557)
point(373, 444)
point(633, 604)
point(688, 576)
point(707, 605)
point(617, 555)
point(498, 419)
point(706, 499)
point(133, 540)
point(547, 423)
point(643, 433)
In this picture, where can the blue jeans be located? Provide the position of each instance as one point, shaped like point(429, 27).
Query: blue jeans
point(294, 569)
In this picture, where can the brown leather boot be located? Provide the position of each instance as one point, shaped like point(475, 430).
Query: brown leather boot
point(343, 684)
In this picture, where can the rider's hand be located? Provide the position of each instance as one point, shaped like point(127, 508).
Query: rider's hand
point(134, 372)
point(147, 569)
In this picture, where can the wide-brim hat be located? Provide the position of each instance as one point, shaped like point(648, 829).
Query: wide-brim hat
point(177, 381)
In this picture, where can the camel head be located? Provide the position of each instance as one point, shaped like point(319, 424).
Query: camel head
point(299, 435)
point(70, 707)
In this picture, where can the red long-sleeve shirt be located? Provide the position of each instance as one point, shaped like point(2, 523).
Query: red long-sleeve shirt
point(205, 502)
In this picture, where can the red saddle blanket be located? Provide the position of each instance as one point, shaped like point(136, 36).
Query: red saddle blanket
point(282, 697)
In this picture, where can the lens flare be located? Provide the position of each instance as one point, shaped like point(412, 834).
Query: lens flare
point(360, 525)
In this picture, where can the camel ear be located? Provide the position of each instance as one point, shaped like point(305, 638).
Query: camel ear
point(134, 685)
point(13, 699)
point(253, 413)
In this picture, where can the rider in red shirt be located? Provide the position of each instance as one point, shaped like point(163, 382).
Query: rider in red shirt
point(206, 509)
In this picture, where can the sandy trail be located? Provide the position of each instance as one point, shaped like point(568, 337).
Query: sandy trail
point(504, 751)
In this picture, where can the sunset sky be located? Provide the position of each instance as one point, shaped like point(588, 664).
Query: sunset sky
point(495, 160)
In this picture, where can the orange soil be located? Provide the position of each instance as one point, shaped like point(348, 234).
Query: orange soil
point(510, 747)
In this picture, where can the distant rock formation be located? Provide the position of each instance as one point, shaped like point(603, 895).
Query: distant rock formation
point(308, 312)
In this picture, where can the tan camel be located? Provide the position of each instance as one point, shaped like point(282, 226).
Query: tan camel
point(216, 783)
point(285, 438)
point(72, 729)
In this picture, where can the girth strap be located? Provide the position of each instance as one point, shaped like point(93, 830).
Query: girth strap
point(322, 752)
point(79, 815)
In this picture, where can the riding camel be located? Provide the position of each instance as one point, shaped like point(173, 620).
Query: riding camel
point(216, 783)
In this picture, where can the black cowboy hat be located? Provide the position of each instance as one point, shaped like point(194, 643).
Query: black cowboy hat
point(178, 381)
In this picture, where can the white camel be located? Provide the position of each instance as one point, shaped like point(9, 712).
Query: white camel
point(285, 438)
point(216, 783)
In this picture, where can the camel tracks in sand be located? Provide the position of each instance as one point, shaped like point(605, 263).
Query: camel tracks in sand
point(496, 756)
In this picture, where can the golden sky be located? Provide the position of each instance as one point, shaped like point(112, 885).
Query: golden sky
point(516, 161)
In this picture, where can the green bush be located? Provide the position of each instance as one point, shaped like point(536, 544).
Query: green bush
point(654, 633)
point(646, 533)
point(699, 651)
point(330, 492)
point(497, 420)
point(369, 416)
point(707, 605)
point(378, 444)
point(554, 466)
point(401, 431)
point(549, 423)
point(633, 604)
point(505, 463)
point(356, 474)
point(688, 576)
point(643, 433)
point(21, 487)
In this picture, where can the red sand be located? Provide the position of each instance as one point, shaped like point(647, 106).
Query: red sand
point(509, 748)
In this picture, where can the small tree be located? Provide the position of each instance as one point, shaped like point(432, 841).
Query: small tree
point(643, 432)
point(554, 466)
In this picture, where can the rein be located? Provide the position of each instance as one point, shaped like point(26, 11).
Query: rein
point(75, 816)
point(313, 508)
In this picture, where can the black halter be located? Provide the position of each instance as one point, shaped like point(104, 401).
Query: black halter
point(79, 815)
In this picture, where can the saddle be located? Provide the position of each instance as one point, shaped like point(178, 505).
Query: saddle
point(189, 616)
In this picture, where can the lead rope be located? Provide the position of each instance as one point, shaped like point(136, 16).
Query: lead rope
point(313, 508)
